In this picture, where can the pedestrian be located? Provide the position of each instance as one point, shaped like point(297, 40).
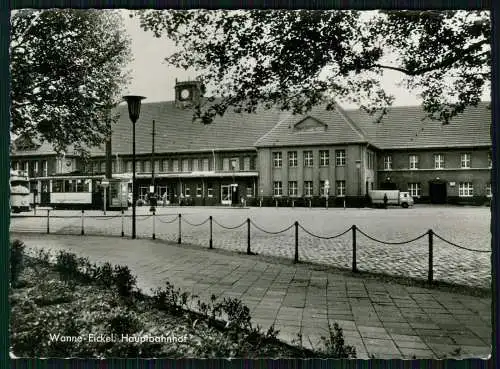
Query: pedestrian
point(164, 198)
point(385, 200)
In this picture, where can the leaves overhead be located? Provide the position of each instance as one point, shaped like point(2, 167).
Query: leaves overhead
point(297, 59)
point(66, 74)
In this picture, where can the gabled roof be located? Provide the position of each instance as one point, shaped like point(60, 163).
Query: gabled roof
point(406, 127)
point(175, 130)
point(332, 128)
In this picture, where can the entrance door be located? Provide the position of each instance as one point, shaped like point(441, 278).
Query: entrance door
point(225, 194)
point(160, 193)
point(234, 194)
point(437, 192)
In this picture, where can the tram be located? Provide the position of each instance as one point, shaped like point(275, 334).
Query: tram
point(75, 191)
point(19, 191)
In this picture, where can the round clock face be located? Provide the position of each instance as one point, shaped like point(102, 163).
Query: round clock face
point(185, 93)
point(68, 163)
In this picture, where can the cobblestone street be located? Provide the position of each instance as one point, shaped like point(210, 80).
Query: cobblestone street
point(465, 226)
point(382, 320)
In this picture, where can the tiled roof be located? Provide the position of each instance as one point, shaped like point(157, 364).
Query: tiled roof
point(338, 129)
point(406, 127)
point(176, 132)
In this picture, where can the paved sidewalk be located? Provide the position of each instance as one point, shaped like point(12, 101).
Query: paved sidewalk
point(382, 319)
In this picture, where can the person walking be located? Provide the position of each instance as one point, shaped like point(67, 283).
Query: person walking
point(385, 200)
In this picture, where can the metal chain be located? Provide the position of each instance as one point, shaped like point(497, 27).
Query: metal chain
point(167, 221)
point(324, 237)
point(460, 247)
point(220, 225)
point(195, 225)
point(391, 243)
point(269, 232)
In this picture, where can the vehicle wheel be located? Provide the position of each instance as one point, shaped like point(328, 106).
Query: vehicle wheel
point(405, 205)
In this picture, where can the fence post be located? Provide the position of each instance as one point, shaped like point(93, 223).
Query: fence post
point(154, 223)
point(48, 221)
point(248, 237)
point(354, 266)
point(180, 238)
point(431, 252)
point(210, 243)
point(123, 233)
point(83, 211)
point(296, 259)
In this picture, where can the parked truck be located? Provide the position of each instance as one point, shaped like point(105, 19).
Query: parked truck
point(394, 197)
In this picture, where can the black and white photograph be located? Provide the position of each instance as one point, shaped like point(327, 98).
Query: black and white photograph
point(250, 184)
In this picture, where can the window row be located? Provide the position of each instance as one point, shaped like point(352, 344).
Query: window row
point(186, 190)
point(324, 158)
point(439, 161)
point(465, 189)
point(34, 168)
point(183, 165)
point(324, 188)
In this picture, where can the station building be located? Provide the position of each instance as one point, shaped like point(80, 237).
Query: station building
point(280, 158)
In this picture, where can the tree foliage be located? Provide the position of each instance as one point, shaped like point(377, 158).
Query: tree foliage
point(295, 59)
point(67, 69)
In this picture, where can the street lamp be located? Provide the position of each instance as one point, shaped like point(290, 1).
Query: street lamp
point(134, 109)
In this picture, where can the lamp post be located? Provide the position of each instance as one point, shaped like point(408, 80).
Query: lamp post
point(134, 110)
point(358, 168)
point(152, 197)
point(327, 189)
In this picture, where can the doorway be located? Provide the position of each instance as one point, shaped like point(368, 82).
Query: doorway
point(225, 191)
point(437, 192)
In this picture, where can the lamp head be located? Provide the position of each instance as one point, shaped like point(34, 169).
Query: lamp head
point(134, 106)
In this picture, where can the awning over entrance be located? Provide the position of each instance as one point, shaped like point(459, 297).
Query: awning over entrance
point(189, 175)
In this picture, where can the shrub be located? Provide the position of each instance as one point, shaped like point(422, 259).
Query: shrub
point(17, 248)
point(124, 280)
point(67, 265)
point(103, 274)
point(123, 321)
point(169, 299)
point(334, 344)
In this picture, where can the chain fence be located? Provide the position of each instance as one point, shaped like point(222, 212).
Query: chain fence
point(78, 224)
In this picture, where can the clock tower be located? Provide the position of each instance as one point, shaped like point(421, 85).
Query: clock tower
point(187, 93)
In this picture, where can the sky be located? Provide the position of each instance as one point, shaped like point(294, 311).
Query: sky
point(154, 78)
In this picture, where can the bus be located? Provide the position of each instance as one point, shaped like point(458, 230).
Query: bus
point(76, 191)
point(19, 191)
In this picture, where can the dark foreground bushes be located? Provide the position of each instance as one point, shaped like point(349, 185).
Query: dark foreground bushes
point(68, 307)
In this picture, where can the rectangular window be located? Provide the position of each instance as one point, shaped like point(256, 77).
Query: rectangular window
point(210, 190)
point(308, 158)
point(205, 165)
point(129, 166)
point(292, 159)
point(413, 161)
point(465, 160)
point(45, 168)
point(465, 189)
point(14, 165)
point(225, 165)
point(175, 166)
point(308, 188)
point(370, 159)
point(138, 166)
point(147, 166)
point(414, 189)
point(322, 188)
point(488, 190)
point(277, 159)
point(246, 163)
point(187, 190)
point(235, 164)
point(58, 185)
point(278, 188)
point(113, 166)
point(340, 188)
point(185, 165)
point(103, 166)
point(249, 191)
point(253, 163)
point(292, 188)
point(157, 166)
point(164, 165)
point(340, 158)
point(490, 163)
point(387, 162)
point(438, 161)
point(199, 190)
point(324, 158)
point(36, 169)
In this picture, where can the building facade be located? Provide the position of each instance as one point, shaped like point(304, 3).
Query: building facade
point(278, 158)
